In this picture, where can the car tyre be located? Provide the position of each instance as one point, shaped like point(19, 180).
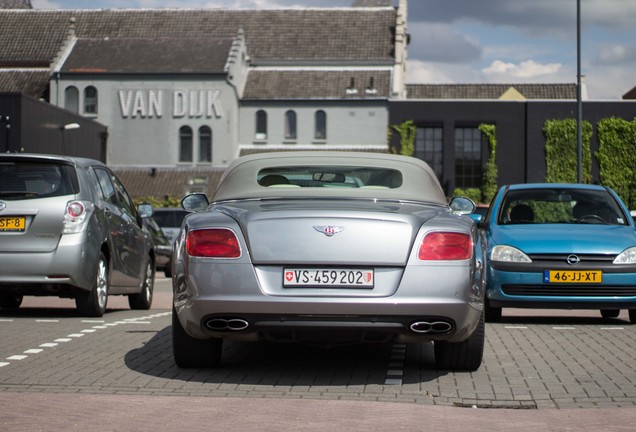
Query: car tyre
point(10, 300)
point(143, 299)
point(93, 303)
point(189, 352)
point(493, 314)
point(168, 270)
point(462, 356)
point(632, 316)
point(610, 313)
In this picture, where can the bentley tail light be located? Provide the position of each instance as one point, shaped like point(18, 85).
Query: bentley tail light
point(213, 243)
point(446, 246)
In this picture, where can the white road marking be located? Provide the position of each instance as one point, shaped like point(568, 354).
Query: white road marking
point(396, 365)
point(139, 320)
point(17, 357)
point(516, 327)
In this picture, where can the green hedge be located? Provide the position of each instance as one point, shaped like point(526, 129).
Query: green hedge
point(157, 203)
point(561, 151)
point(617, 157)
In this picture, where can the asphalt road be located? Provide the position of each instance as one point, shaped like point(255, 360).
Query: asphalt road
point(543, 370)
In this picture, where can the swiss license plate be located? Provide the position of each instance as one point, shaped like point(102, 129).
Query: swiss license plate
point(12, 223)
point(328, 278)
point(573, 276)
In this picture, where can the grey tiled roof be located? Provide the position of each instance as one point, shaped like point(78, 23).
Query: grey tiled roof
point(166, 181)
point(317, 85)
point(265, 149)
point(29, 82)
point(342, 35)
point(146, 55)
point(489, 91)
point(15, 4)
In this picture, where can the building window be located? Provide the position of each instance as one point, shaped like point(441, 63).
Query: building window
point(468, 164)
point(290, 125)
point(90, 100)
point(71, 99)
point(428, 147)
point(185, 144)
point(320, 131)
point(205, 144)
point(261, 125)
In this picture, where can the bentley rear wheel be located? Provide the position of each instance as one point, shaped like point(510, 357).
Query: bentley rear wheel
point(189, 352)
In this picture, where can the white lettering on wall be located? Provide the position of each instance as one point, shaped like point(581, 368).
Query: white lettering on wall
point(155, 101)
point(185, 103)
point(139, 106)
point(125, 97)
point(179, 99)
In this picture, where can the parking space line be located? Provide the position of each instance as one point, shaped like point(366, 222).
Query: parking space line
point(396, 365)
point(70, 337)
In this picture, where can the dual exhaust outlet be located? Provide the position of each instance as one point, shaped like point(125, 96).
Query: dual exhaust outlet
point(431, 327)
point(227, 324)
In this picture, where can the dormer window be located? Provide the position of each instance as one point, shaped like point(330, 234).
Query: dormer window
point(371, 89)
point(352, 87)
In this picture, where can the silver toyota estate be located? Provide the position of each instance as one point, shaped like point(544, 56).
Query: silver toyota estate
point(328, 248)
point(68, 228)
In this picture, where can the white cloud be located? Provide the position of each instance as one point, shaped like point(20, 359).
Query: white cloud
point(45, 4)
point(526, 69)
point(615, 55)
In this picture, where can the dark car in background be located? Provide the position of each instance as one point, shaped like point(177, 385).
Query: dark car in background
point(169, 219)
point(163, 246)
point(68, 228)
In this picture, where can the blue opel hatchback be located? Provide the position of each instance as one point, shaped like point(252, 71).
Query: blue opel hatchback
point(563, 246)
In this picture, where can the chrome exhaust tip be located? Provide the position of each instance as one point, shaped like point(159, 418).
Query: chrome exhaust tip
point(227, 324)
point(431, 327)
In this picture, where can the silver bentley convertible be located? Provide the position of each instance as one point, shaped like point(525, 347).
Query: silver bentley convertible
point(328, 248)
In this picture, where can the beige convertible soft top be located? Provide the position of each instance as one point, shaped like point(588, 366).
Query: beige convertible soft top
point(241, 178)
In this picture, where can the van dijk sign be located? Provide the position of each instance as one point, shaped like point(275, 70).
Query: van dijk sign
point(179, 103)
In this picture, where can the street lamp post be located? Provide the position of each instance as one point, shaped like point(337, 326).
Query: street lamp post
point(579, 102)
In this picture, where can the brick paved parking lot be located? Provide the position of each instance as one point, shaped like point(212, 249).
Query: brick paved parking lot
point(533, 360)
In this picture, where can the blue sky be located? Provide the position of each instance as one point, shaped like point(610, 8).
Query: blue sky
point(484, 41)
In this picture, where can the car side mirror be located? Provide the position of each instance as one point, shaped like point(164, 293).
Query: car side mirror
point(144, 210)
point(195, 202)
point(462, 205)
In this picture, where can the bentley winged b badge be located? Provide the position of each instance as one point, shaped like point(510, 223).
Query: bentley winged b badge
point(328, 230)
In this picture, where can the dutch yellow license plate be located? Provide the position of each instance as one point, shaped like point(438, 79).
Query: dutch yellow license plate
point(12, 223)
point(573, 276)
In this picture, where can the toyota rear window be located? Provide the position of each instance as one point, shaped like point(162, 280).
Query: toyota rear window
point(28, 180)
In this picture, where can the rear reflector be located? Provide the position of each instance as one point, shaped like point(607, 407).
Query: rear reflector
point(213, 243)
point(446, 246)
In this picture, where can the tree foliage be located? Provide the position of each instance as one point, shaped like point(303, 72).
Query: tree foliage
point(407, 131)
